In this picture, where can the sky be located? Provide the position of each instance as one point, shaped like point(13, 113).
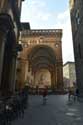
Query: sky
point(50, 14)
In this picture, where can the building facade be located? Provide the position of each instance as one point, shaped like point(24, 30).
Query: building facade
point(9, 33)
point(76, 7)
point(40, 62)
point(69, 75)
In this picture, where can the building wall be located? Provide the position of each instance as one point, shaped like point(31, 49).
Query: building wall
point(66, 71)
point(50, 39)
point(13, 8)
point(69, 74)
point(77, 32)
point(72, 73)
point(9, 33)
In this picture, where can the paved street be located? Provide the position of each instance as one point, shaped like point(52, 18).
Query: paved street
point(58, 111)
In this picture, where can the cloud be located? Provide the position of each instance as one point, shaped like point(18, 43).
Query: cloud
point(36, 3)
point(36, 12)
point(63, 15)
point(63, 22)
point(67, 43)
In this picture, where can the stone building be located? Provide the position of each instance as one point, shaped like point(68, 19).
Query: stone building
point(40, 62)
point(76, 8)
point(10, 11)
point(69, 74)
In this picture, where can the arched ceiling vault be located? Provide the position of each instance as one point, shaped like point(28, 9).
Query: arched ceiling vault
point(42, 66)
point(42, 56)
point(42, 63)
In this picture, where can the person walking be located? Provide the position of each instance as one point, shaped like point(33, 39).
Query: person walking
point(45, 93)
point(77, 94)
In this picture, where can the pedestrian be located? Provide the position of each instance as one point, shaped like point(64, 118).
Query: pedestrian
point(37, 89)
point(45, 93)
point(71, 93)
point(77, 94)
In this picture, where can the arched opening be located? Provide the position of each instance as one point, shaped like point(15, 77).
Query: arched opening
point(42, 65)
point(41, 55)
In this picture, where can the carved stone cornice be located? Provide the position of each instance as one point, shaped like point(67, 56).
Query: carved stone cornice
point(41, 32)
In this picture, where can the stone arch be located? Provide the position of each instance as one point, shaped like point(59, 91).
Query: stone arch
point(42, 57)
point(34, 49)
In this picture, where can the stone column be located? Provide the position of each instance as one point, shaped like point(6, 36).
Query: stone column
point(26, 69)
point(53, 80)
point(34, 77)
point(13, 73)
point(2, 48)
point(56, 77)
point(59, 76)
point(22, 75)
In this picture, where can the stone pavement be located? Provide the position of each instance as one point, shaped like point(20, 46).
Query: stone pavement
point(57, 111)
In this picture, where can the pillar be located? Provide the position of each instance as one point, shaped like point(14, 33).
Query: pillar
point(2, 47)
point(13, 72)
point(53, 79)
point(59, 76)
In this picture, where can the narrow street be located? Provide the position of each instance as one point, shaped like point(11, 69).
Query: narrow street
point(57, 111)
point(41, 52)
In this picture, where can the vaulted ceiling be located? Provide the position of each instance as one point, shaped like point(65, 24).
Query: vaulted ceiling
point(42, 57)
